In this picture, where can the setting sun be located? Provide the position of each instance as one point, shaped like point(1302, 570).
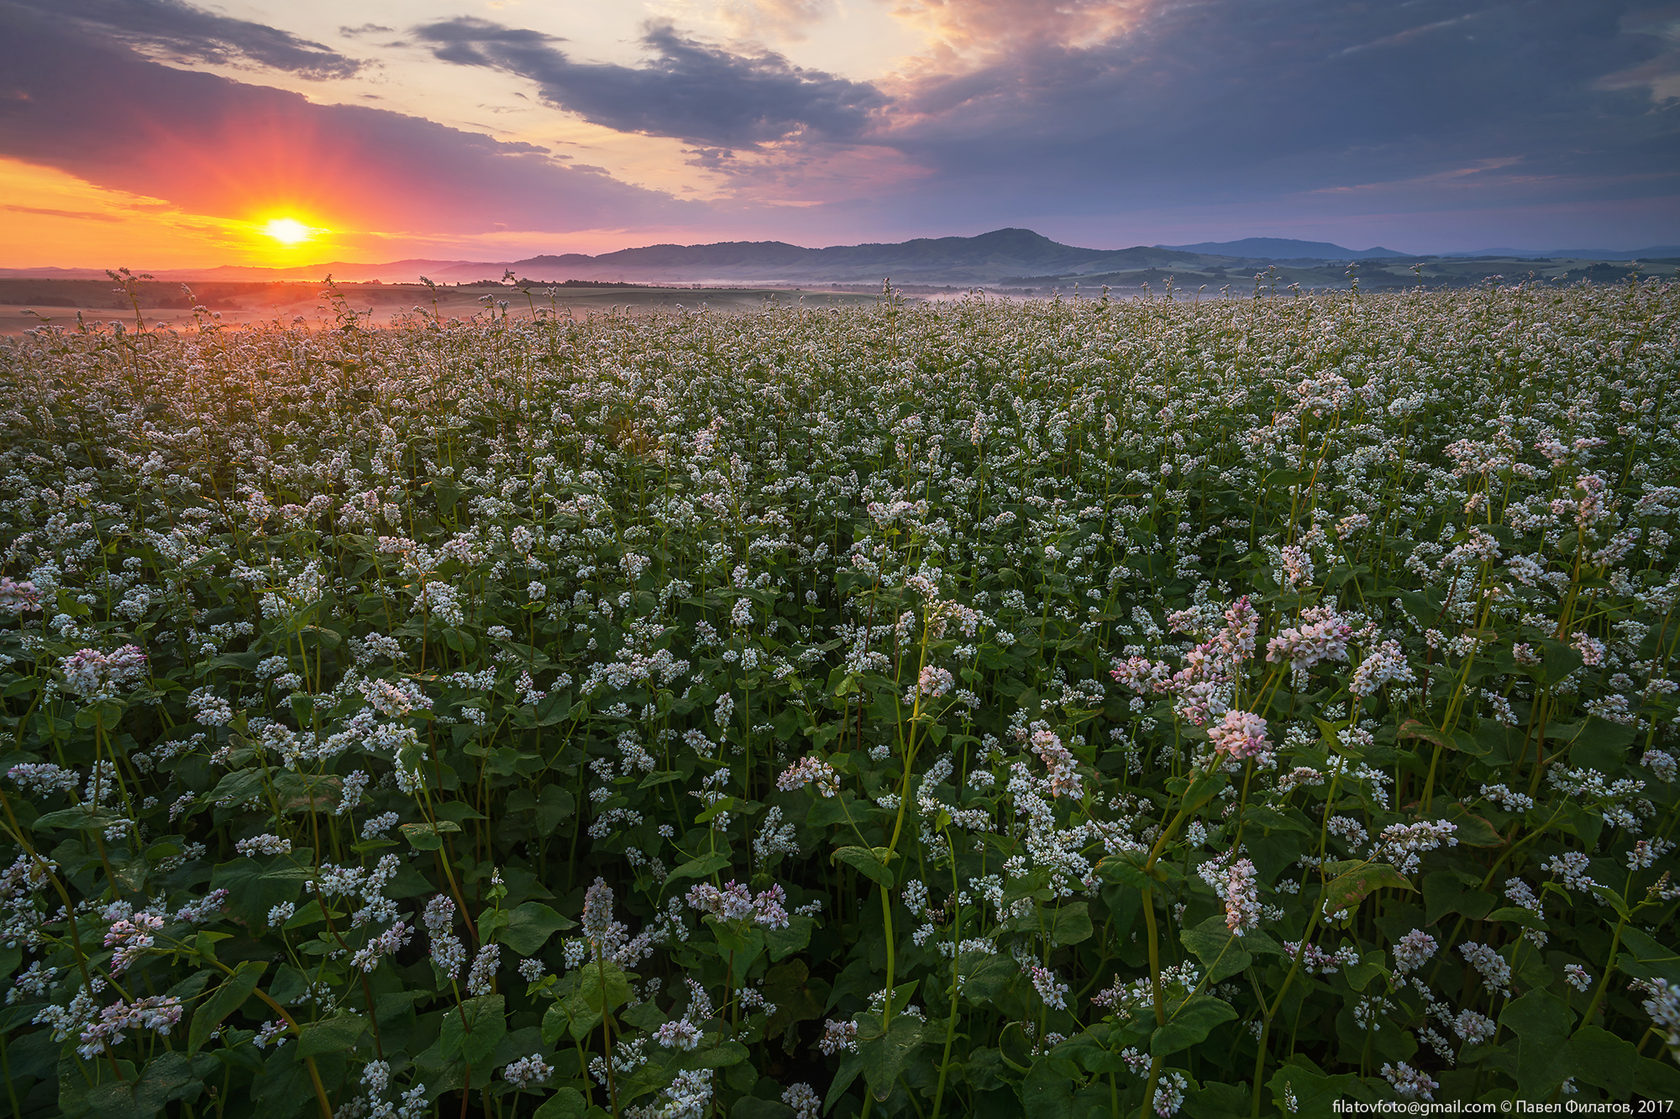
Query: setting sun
point(288, 231)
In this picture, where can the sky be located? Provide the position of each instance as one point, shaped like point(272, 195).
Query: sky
point(171, 134)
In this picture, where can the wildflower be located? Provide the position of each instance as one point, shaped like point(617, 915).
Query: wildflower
point(1322, 636)
point(1495, 972)
point(1572, 867)
point(527, 1071)
point(1663, 1005)
point(482, 977)
point(1064, 775)
point(131, 937)
point(160, 1013)
point(1413, 950)
point(688, 1095)
point(1385, 664)
point(20, 597)
point(96, 675)
point(385, 944)
point(1242, 897)
point(934, 682)
point(1169, 1094)
point(1239, 735)
point(43, 778)
point(678, 1034)
point(737, 904)
point(837, 1037)
point(810, 770)
point(1052, 990)
point(263, 845)
point(1409, 1083)
point(1473, 1028)
point(803, 1099)
point(1402, 844)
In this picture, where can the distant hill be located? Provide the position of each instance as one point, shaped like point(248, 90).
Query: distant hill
point(1654, 252)
point(1018, 260)
point(1284, 248)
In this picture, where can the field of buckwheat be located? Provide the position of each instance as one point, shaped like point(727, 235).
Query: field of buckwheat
point(1073, 708)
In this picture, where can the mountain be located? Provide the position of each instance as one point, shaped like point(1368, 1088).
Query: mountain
point(927, 259)
point(1284, 248)
point(1653, 252)
point(1007, 259)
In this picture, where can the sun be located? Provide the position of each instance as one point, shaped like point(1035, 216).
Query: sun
point(289, 231)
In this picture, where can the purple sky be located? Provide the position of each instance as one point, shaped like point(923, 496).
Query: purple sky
point(453, 128)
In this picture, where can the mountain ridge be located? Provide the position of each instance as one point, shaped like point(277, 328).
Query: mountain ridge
point(1286, 248)
point(1001, 257)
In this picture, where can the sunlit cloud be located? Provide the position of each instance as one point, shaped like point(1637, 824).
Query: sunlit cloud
point(179, 32)
point(1103, 122)
point(687, 89)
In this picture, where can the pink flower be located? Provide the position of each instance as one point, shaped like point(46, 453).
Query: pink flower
point(1242, 897)
point(1240, 734)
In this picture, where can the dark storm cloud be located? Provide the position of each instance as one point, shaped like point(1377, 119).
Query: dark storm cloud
point(1229, 100)
point(184, 33)
point(216, 146)
point(688, 90)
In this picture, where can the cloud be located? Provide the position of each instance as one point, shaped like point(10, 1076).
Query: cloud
point(783, 19)
point(183, 33)
point(692, 91)
point(220, 147)
point(51, 212)
point(1226, 101)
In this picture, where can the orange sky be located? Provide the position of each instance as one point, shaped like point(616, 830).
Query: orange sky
point(166, 136)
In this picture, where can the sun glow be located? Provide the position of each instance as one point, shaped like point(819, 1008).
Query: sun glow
point(289, 231)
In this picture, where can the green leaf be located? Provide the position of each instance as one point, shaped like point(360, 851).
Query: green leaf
point(529, 926)
point(703, 867)
point(869, 862)
point(555, 805)
point(1600, 1058)
point(603, 986)
point(1473, 830)
point(1222, 952)
point(718, 1056)
point(1557, 660)
point(1450, 892)
point(1047, 1092)
point(565, 1103)
point(1311, 1090)
point(1127, 868)
point(227, 998)
point(75, 819)
point(1271, 819)
point(784, 942)
point(425, 837)
point(1351, 881)
point(1411, 728)
point(1190, 1025)
point(1072, 924)
point(169, 1077)
point(1542, 1023)
point(1643, 957)
point(570, 1017)
point(331, 1035)
point(991, 976)
point(884, 1056)
point(474, 1029)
